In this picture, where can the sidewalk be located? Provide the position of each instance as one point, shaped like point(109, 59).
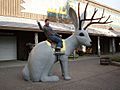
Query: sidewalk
point(18, 63)
point(86, 73)
point(13, 63)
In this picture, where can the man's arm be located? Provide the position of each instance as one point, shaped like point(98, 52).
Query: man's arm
point(40, 27)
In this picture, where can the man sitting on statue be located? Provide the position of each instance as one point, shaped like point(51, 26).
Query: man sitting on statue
point(52, 35)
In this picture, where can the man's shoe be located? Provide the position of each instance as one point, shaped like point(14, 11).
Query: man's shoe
point(57, 49)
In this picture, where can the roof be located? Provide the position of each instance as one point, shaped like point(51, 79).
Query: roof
point(103, 32)
point(104, 5)
point(12, 23)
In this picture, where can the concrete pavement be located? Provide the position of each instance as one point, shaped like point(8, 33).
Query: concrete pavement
point(86, 73)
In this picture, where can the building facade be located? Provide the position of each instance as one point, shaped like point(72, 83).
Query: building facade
point(19, 30)
point(106, 37)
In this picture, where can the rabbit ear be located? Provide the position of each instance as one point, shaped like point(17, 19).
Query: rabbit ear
point(73, 17)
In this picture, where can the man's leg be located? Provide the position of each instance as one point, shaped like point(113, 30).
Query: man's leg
point(57, 40)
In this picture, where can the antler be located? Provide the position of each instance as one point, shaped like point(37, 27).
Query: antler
point(92, 18)
point(79, 16)
point(80, 21)
point(99, 19)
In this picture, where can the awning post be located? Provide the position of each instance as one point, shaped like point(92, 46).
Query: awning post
point(99, 46)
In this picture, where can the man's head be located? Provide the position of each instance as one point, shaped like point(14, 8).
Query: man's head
point(47, 22)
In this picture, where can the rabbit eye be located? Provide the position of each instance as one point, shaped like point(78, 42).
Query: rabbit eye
point(81, 34)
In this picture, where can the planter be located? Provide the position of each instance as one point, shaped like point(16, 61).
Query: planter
point(115, 63)
point(105, 61)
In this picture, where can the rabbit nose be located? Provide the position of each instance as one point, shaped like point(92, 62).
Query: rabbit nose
point(90, 42)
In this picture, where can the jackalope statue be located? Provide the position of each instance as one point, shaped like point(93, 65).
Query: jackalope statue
point(42, 57)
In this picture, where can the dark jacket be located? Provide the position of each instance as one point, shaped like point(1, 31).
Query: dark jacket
point(48, 31)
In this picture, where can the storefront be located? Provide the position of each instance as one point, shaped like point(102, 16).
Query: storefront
point(19, 30)
point(18, 38)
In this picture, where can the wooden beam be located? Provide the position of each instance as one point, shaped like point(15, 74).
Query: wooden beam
point(99, 52)
point(113, 46)
point(36, 38)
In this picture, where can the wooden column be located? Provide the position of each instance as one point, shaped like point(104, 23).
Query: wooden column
point(36, 38)
point(113, 46)
point(99, 53)
point(83, 48)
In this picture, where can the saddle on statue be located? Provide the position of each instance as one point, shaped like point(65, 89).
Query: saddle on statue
point(54, 47)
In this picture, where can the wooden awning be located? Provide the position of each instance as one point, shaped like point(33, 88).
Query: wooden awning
point(21, 24)
point(103, 32)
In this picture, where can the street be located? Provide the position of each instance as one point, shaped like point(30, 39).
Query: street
point(86, 73)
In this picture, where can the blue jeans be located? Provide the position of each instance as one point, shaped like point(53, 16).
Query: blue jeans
point(57, 40)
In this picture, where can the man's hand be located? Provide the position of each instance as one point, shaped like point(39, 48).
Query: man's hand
point(59, 35)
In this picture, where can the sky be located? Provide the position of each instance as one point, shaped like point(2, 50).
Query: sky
point(111, 3)
point(34, 6)
point(41, 6)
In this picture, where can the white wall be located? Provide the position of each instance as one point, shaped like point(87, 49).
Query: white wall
point(8, 48)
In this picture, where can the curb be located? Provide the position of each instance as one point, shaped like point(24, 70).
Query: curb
point(115, 63)
point(14, 63)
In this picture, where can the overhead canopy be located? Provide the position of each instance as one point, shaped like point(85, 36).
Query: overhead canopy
point(103, 32)
point(13, 23)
